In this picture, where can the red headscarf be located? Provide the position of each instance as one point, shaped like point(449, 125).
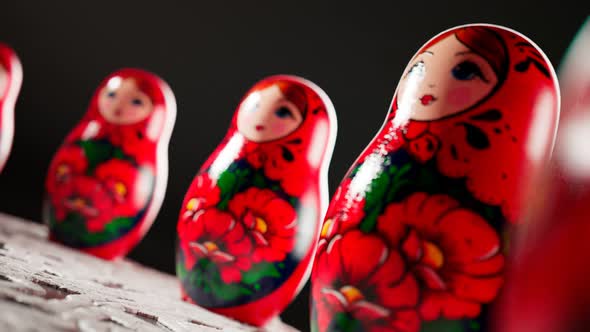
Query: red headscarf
point(140, 139)
point(499, 144)
point(298, 159)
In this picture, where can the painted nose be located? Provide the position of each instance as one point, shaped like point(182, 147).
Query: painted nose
point(117, 107)
point(431, 85)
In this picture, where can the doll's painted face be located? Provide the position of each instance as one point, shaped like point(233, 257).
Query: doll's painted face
point(445, 79)
point(267, 115)
point(3, 81)
point(121, 102)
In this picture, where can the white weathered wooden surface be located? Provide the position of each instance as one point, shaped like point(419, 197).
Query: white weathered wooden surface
point(48, 287)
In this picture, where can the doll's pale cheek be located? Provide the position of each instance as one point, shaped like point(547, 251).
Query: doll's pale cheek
point(137, 114)
point(106, 106)
point(459, 97)
point(244, 121)
point(279, 128)
point(129, 115)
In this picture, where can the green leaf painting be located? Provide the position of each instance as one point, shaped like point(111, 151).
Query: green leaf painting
point(98, 152)
point(74, 227)
point(443, 325)
point(260, 271)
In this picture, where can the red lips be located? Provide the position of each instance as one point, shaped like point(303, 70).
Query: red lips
point(427, 100)
point(259, 127)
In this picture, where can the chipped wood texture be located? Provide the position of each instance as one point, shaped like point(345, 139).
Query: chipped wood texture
point(48, 287)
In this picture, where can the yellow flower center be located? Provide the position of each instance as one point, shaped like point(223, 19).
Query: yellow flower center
point(326, 227)
point(192, 204)
point(261, 225)
point(211, 246)
point(351, 294)
point(433, 256)
point(62, 170)
point(120, 189)
point(78, 203)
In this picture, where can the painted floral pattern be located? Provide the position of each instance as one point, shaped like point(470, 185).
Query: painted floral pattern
point(131, 140)
point(452, 252)
point(416, 235)
point(346, 212)
point(205, 194)
point(88, 198)
point(218, 237)
point(120, 178)
point(463, 144)
point(69, 162)
point(375, 288)
point(235, 236)
point(281, 162)
point(441, 258)
point(269, 220)
point(427, 258)
point(95, 193)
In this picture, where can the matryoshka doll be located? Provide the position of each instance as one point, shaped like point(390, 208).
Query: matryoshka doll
point(249, 223)
point(106, 183)
point(11, 75)
point(547, 288)
point(416, 236)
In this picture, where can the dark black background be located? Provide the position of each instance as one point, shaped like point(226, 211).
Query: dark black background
point(210, 53)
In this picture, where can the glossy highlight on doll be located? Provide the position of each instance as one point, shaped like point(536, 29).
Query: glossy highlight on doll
point(11, 76)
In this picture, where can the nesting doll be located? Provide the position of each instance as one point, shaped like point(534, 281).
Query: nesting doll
point(415, 237)
point(106, 182)
point(11, 75)
point(547, 289)
point(249, 223)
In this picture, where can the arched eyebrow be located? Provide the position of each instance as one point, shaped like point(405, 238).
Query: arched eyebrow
point(428, 52)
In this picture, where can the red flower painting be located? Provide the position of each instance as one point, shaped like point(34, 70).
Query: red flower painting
point(453, 253)
point(282, 163)
point(345, 211)
point(129, 188)
point(422, 144)
point(374, 287)
point(68, 162)
point(131, 139)
point(87, 197)
point(428, 258)
point(216, 235)
point(269, 220)
point(202, 194)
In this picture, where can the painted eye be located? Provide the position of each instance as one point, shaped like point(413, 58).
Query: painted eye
point(111, 94)
point(136, 102)
point(418, 68)
point(284, 113)
point(466, 71)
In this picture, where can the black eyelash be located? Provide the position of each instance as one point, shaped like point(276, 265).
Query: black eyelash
point(415, 66)
point(471, 67)
point(480, 74)
point(284, 112)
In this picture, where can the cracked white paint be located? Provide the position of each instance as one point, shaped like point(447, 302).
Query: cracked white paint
point(48, 287)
